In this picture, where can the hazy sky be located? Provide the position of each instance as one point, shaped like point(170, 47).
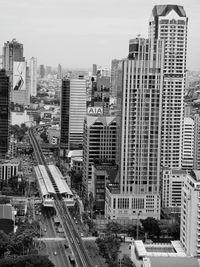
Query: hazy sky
point(78, 33)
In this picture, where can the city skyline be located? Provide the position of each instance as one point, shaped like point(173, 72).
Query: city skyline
point(79, 33)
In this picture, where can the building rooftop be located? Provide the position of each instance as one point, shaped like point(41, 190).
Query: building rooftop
point(104, 120)
point(179, 172)
point(175, 262)
point(163, 10)
point(195, 174)
point(6, 211)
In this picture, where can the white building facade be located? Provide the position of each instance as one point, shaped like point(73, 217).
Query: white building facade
point(169, 23)
point(190, 215)
point(188, 144)
point(77, 108)
point(141, 105)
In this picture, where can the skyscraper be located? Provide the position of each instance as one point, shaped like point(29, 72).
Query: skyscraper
point(140, 117)
point(33, 76)
point(139, 108)
point(12, 51)
point(4, 113)
point(77, 110)
point(73, 111)
point(65, 106)
point(15, 66)
point(169, 23)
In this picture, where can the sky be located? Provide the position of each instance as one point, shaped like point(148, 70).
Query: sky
point(78, 33)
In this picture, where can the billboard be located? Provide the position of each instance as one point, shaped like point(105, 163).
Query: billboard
point(19, 76)
point(95, 111)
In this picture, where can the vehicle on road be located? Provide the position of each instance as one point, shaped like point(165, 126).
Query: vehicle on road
point(55, 253)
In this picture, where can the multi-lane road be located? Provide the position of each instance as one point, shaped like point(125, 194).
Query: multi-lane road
point(80, 254)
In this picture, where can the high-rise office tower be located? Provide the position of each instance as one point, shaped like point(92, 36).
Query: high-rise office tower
point(99, 143)
point(42, 71)
point(65, 106)
point(77, 110)
point(169, 23)
point(33, 76)
point(73, 112)
point(4, 113)
point(140, 131)
point(12, 51)
point(15, 66)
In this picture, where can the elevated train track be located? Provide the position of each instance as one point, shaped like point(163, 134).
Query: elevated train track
point(80, 254)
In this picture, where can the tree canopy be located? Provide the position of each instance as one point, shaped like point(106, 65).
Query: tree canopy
point(25, 261)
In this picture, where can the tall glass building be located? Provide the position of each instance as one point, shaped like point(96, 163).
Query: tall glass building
point(4, 113)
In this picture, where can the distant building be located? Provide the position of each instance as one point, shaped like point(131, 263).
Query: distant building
point(100, 93)
point(116, 74)
point(12, 51)
point(4, 113)
point(33, 76)
point(59, 75)
point(15, 66)
point(42, 71)
point(94, 69)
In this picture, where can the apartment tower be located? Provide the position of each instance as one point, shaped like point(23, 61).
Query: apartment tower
point(169, 23)
point(141, 106)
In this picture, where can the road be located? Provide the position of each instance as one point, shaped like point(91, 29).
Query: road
point(79, 251)
point(61, 259)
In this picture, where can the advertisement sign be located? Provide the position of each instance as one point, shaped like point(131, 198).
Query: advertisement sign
point(95, 111)
point(19, 76)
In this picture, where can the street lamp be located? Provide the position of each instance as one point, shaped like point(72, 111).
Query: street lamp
point(137, 232)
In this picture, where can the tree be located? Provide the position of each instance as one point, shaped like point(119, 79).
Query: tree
point(113, 228)
point(151, 227)
point(127, 262)
point(25, 261)
point(4, 200)
point(4, 241)
point(109, 249)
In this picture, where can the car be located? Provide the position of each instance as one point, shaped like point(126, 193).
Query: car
point(66, 245)
point(55, 253)
point(82, 234)
point(45, 229)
